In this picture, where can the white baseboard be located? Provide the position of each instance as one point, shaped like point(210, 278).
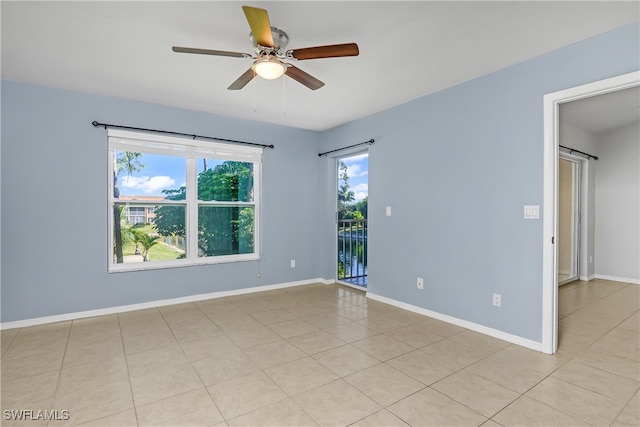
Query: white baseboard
point(154, 304)
point(514, 339)
point(587, 278)
point(350, 285)
point(617, 279)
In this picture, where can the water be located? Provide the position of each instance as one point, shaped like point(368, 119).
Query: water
point(353, 264)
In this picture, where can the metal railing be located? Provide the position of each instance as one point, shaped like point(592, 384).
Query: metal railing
point(352, 249)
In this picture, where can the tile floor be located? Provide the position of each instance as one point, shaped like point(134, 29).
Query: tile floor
point(325, 355)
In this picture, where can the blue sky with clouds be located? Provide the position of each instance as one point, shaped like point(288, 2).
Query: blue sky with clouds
point(158, 173)
point(358, 171)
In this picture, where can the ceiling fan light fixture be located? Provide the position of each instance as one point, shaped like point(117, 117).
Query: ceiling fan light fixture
point(269, 68)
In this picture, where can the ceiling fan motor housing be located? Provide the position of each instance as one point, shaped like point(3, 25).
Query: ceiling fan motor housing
point(280, 41)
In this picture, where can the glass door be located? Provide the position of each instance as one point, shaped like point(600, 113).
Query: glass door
point(353, 198)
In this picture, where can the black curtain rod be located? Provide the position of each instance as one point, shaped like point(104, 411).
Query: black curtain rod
point(572, 150)
point(371, 141)
point(107, 125)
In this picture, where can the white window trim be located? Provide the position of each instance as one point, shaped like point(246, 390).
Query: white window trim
point(190, 150)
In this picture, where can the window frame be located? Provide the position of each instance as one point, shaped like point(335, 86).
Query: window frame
point(191, 150)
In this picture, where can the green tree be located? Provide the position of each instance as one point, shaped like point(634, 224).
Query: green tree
point(145, 240)
point(362, 206)
point(229, 182)
point(222, 230)
point(345, 195)
point(129, 162)
point(170, 219)
point(353, 214)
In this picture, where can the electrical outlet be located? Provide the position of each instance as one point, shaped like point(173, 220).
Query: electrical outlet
point(420, 283)
point(497, 300)
point(293, 263)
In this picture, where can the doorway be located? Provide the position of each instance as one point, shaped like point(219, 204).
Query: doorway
point(352, 223)
point(550, 265)
point(568, 220)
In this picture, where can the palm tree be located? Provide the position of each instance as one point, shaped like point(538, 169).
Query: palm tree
point(125, 161)
point(146, 241)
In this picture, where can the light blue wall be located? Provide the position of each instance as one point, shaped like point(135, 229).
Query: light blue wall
point(54, 204)
point(457, 167)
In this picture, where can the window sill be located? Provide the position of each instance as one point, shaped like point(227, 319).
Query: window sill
point(158, 265)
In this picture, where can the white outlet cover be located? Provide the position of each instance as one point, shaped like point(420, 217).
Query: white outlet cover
point(388, 211)
point(497, 300)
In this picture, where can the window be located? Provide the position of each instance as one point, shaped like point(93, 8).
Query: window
point(178, 202)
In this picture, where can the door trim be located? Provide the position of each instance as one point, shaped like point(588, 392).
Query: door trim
point(551, 103)
point(576, 197)
point(335, 161)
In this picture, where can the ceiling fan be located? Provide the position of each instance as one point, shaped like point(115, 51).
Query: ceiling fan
point(269, 44)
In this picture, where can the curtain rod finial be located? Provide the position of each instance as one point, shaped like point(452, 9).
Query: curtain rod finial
point(95, 124)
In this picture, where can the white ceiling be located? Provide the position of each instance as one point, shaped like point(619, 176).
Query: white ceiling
point(407, 50)
point(602, 113)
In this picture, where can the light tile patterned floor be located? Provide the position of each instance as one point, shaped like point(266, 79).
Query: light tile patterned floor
point(325, 355)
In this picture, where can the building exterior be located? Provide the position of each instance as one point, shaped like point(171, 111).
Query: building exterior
point(138, 210)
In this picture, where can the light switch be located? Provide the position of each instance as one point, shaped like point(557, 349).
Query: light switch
point(532, 212)
point(388, 210)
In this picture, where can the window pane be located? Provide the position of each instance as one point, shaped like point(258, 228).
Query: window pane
point(149, 177)
point(225, 230)
point(225, 181)
point(148, 236)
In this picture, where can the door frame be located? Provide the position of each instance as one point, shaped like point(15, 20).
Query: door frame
point(336, 159)
point(576, 197)
point(551, 104)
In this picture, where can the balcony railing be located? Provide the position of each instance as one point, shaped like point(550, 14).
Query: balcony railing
point(352, 251)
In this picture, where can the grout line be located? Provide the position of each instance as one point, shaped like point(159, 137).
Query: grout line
point(64, 355)
point(126, 360)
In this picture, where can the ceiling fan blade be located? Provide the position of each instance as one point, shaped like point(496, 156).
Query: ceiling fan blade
point(329, 51)
point(305, 78)
point(242, 81)
point(210, 52)
point(260, 26)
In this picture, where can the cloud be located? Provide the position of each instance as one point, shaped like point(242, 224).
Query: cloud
point(355, 170)
point(360, 191)
point(147, 185)
point(360, 195)
point(361, 187)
